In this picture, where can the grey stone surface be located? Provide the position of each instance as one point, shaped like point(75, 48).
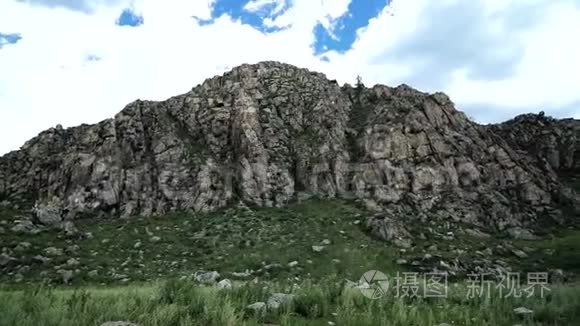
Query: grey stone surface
point(119, 323)
point(278, 300)
point(207, 277)
point(267, 132)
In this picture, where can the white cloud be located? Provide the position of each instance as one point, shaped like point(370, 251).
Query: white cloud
point(257, 5)
point(86, 6)
point(509, 56)
point(45, 78)
point(548, 72)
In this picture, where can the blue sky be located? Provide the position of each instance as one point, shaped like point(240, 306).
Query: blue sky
point(255, 18)
point(9, 38)
point(344, 28)
point(338, 34)
point(494, 58)
point(129, 18)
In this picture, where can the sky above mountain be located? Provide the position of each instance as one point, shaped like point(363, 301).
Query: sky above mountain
point(80, 61)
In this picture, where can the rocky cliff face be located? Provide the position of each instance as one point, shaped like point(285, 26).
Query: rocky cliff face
point(548, 141)
point(266, 133)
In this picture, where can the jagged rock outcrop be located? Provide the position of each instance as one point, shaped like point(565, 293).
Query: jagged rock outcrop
point(263, 133)
point(547, 140)
point(548, 143)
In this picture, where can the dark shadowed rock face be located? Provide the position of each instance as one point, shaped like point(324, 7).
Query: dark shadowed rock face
point(263, 133)
point(548, 141)
point(550, 145)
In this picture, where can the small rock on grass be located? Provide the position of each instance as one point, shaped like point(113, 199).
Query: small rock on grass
point(22, 246)
point(521, 234)
point(293, 264)
point(477, 233)
point(317, 248)
point(72, 262)
point(41, 259)
point(119, 323)
point(257, 307)
point(557, 276)
point(519, 253)
point(73, 249)
point(66, 275)
point(25, 226)
point(6, 259)
point(402, 243)
point(52, 251)
point(279, 299)
point(244, 274)
point(523, 311)
point(206, 277)
point(224, 284)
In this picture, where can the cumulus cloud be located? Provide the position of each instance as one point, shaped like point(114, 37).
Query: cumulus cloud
point(460, 35)
point(259, 5)
point(74, 64)
point(510, 56)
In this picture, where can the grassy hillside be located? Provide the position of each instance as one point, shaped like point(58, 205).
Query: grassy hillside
point(141, 270)
point(235, 240)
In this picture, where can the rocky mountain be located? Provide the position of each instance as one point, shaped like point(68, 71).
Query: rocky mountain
point(550, 142)
point(268, 133)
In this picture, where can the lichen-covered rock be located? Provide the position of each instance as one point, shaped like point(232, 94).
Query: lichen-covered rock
point(68, 227)
point(66, 275)
point(207, 277)
point(224, 284)
point(49, 212)
point(278, 300)
point(265, 133)
point(25, 226)
point(387, 228)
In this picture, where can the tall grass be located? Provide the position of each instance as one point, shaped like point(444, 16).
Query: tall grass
point(185, 303)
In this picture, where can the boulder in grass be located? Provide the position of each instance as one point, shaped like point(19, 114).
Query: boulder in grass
point(278, 300)
point(257, 307)
point(206, 277)
point(224, 284)
point(49, 212)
